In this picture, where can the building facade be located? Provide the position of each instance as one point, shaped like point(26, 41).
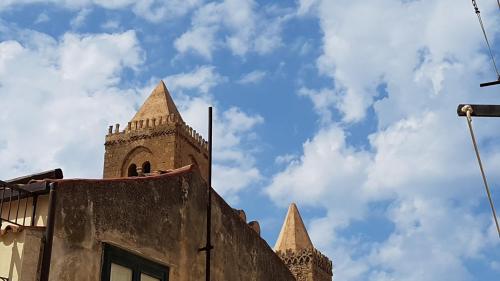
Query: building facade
point(146, 219)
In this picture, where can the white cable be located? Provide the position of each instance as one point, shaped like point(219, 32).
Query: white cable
point(467, 109)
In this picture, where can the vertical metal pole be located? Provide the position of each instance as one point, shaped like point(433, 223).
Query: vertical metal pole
point(33, 210)
point(25, 208)
point(10, 202)
point(18, 204)
point(209, 200)
point(1, 205)
point(49, 235)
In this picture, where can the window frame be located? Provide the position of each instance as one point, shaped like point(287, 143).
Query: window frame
point(137, 264)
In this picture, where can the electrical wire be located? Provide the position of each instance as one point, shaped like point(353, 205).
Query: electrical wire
point(478, 13)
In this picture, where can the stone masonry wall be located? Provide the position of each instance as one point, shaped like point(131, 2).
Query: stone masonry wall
point(188, 152)
point(308, 264)
point(166, 144)
point(161, 218)
point(154, 145)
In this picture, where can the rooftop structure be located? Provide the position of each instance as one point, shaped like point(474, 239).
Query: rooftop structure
point(146, 219)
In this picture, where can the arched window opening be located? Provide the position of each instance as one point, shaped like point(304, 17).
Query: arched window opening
point(146, 167)
point(132, 170)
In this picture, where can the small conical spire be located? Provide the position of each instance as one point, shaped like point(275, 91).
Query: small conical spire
point(159, 103)
point(293, 233)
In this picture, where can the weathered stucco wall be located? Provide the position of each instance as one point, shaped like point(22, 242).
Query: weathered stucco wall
point(11, 251)
point(20, 254)
point(161, 218)
point(20, 249)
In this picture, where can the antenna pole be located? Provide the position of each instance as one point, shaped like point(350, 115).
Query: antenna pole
point(209, 246)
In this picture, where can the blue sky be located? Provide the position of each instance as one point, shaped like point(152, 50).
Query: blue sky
point(345, 107)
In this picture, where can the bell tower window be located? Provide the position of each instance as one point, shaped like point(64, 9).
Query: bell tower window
point(146, 167)
point(132, 170)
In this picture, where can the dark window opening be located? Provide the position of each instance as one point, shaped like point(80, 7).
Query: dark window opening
point(120, 265)
point(146, 167)
point(132, 170)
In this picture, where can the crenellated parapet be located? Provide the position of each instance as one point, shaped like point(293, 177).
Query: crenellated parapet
point(193, 135)
point(162, 125)
point(147, 124)
point(305, 257)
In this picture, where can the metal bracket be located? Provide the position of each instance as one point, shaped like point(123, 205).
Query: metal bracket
point(490, 83)
point(480, 110)
point(205, 248)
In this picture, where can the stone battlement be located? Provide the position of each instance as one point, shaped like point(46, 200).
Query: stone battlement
point(306, 256)
point(145, 124)
point(149, 126)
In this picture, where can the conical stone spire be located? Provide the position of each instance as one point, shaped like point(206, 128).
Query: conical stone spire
point(293, 235)
point(159, 103)
point(296, 250)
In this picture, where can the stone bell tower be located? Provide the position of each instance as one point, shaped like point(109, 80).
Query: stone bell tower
point(295, 248)
point(155, 140)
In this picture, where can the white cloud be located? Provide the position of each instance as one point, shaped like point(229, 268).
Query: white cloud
point(323, 101)
point(420, 158)
point(56, 97)
point(358, 56)
point(152, 10)
point(105, 55)
point(306, 6)
point(158, 10)
point(239, 121)
point(234, 146)
point(427, 240)
point(234, 163)
point(495, 265)
point(252, 77)
point(239, 25)
point(328, 166)
point(43, 17)
point(200, 40)
point(202, 78)
point(285, 159)
point(65, 92)
point(111, 25)
point(80, 18)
